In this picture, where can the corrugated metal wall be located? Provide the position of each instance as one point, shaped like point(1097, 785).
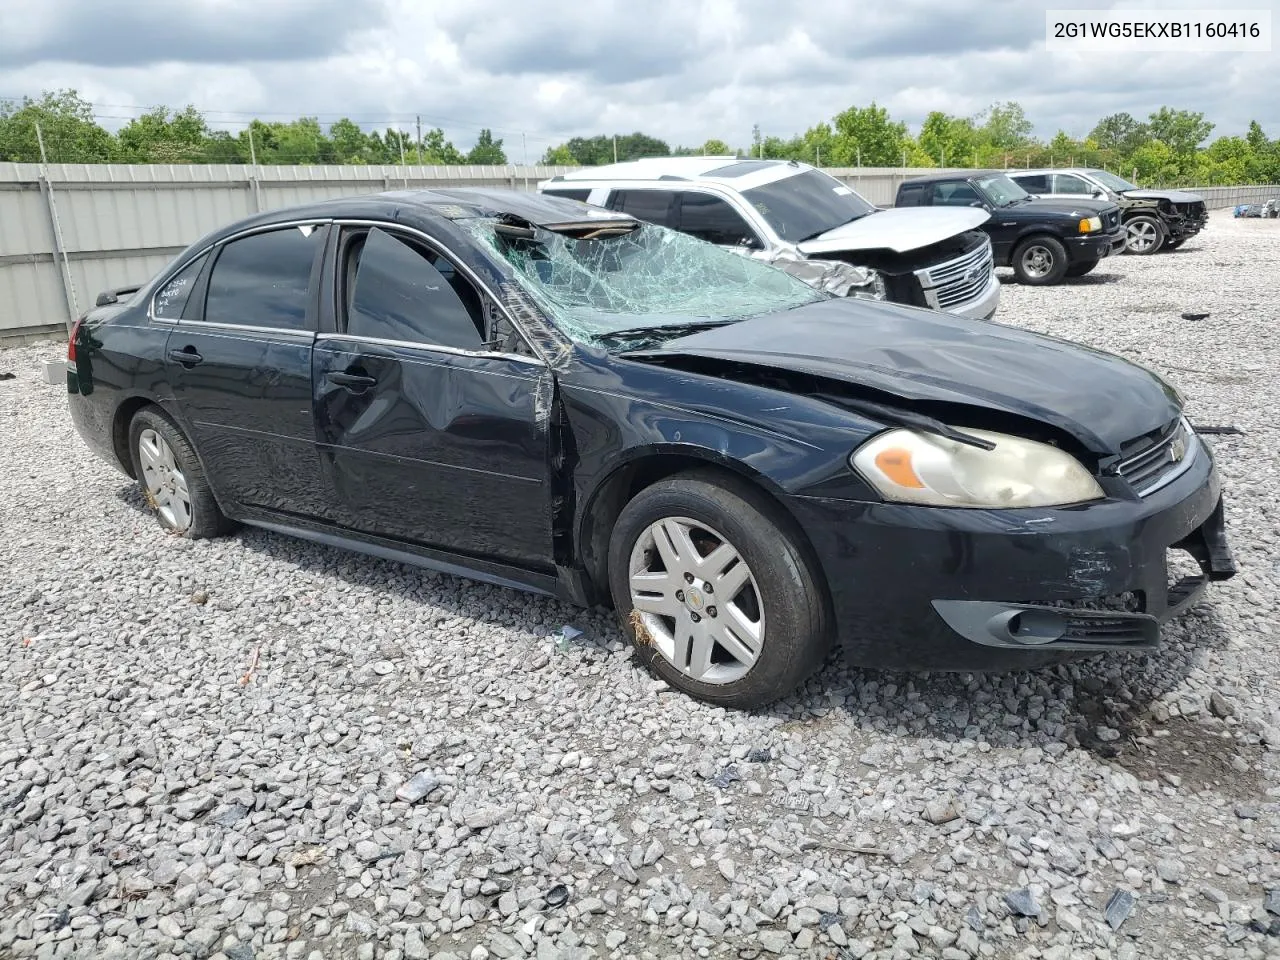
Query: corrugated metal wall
point(119, 224)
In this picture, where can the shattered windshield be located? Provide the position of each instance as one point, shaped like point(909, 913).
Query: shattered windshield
point(643, 284)
point(1001, 191)
point(807, 205)
point(1111, 181)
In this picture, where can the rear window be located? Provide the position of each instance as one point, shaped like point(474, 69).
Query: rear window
point(652, 206)
point(567, 193)
point(1033, 182)
point(263, 279)
point(911, 196)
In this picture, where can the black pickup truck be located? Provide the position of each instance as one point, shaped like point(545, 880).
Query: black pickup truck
point(1043, 240)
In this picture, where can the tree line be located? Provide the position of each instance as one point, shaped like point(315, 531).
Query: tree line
point(1168, 147)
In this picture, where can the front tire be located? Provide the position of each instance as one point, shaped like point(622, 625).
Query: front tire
point(172, 479)
point(1080, 269)
point(1146, 235)
point(716, 590)
point(1040, 261)
point(1174, 244)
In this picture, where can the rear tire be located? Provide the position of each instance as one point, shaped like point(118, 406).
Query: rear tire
point(171, 478)
point(1040, 261)
point(1080, 269)
point(716, 590)
point(1146, 235)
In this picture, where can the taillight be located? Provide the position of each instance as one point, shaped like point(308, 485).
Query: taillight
point(71, 343)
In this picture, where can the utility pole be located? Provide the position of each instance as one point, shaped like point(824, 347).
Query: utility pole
point(817, 155)
point(615, 148)
point(253, 154)
point(859, 154)
point(524, 148)
point(40, 140)
point(418, 120)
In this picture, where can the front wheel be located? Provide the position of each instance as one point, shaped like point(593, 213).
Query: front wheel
point(1146, 235)
point(172, 479)
point(1174, 244)
point(1040, 261)
point(715, 590)
point(1080, 269)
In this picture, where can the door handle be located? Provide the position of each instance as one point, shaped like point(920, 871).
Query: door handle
point(187, 356)
point(355, 382)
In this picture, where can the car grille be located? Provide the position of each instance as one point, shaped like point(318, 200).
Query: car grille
point(1162, 461)
point(1111, 221)
point(957, 281)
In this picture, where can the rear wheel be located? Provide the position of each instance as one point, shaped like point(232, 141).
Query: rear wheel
point(1080, 269)
point(171, 478)
point(716, 591)
point(1040, 261)
point(1145, 235)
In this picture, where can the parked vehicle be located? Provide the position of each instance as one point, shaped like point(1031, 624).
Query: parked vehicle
point(549, 396)
point(1153, 219)
point(1043, 240)
point(807, 222)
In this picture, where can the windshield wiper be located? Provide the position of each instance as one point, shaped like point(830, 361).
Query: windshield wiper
point(907, 418)
point(672, 329)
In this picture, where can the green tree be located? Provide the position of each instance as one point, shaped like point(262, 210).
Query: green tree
point(1120, 134)
point(1006, 127)
point(487, 149)
point(222, 147)
point(71, 135)
point(560, 156)
point(437, 150)
point(1155, 163)
point(947, 140)
point(1181, 130)
point(715, 148)
point(867, 136)
point(159, 137)
point(351, 144)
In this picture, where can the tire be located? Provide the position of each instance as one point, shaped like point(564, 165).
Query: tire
point(1146, 235)
point(1080, 269)
point(1039, 261)
point(165, 464)
point(1174, 244)
point(776, 588)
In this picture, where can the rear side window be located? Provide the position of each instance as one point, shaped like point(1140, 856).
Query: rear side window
point(1033, 182)
point(713, 219)
point(568, 194)
point(1068, 183)
point(172, 298)
point(954, 195)
point(912, 196)
point(398, 290)
point(264, 279)
point(653, 206)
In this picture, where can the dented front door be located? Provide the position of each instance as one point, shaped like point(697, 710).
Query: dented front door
point(436, 448)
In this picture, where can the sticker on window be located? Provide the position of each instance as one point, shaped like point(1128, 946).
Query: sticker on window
point(841, 191)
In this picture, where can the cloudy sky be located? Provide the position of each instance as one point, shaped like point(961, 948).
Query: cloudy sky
point(683, 70)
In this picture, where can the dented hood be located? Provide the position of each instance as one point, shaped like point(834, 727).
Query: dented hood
point(1173, 196)
point(923, 355)
point(898, 229)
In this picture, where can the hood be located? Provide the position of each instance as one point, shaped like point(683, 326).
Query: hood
point(1173, 196)
point(1101, 400)
point(898, 229)
point(1066, 208)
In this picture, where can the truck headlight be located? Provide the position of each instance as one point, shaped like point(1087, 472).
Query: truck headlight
point(910, 467)
point(1090, 224)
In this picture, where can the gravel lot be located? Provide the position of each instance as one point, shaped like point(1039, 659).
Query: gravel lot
point(201, 743)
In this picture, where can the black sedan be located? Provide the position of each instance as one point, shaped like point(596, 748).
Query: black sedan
point(558, 398)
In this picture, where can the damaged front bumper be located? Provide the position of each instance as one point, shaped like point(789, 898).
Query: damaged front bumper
point(922, 588)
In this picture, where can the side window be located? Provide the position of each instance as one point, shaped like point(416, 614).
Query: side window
point(567, 193)
point(263, 280)
point(1069, 183)
point(1034, 182)
point(912, 196)
point(954, 195)
point(714, 220)
point(399, 290)
point(653, 206)
point(172, 298)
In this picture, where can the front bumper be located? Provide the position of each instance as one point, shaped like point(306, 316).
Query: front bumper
point(1179, 227)
point(1095, 246)
point(922, 588)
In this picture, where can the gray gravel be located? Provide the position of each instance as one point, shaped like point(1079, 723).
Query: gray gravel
point(201, 743)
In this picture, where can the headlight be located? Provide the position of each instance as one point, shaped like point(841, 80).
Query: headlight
point(872, 288)
point(1091, 225)
point(910, 467)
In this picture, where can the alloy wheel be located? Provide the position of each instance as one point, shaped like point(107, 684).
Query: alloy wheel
point(1142, 236)
point(1037, 261)
point(164, 482)
point(697, 600)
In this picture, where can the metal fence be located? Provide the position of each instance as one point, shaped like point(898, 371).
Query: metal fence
point(69, 231)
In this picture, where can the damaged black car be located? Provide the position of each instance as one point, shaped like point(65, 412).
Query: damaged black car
point(562, 399)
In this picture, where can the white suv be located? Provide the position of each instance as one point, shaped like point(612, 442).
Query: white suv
point(806, 222)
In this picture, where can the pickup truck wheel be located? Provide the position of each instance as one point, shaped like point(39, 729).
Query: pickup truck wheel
point(1174, 244)
point(1040, 261)
point(713, 586)
point(1146, 235)
point(1080, 269)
